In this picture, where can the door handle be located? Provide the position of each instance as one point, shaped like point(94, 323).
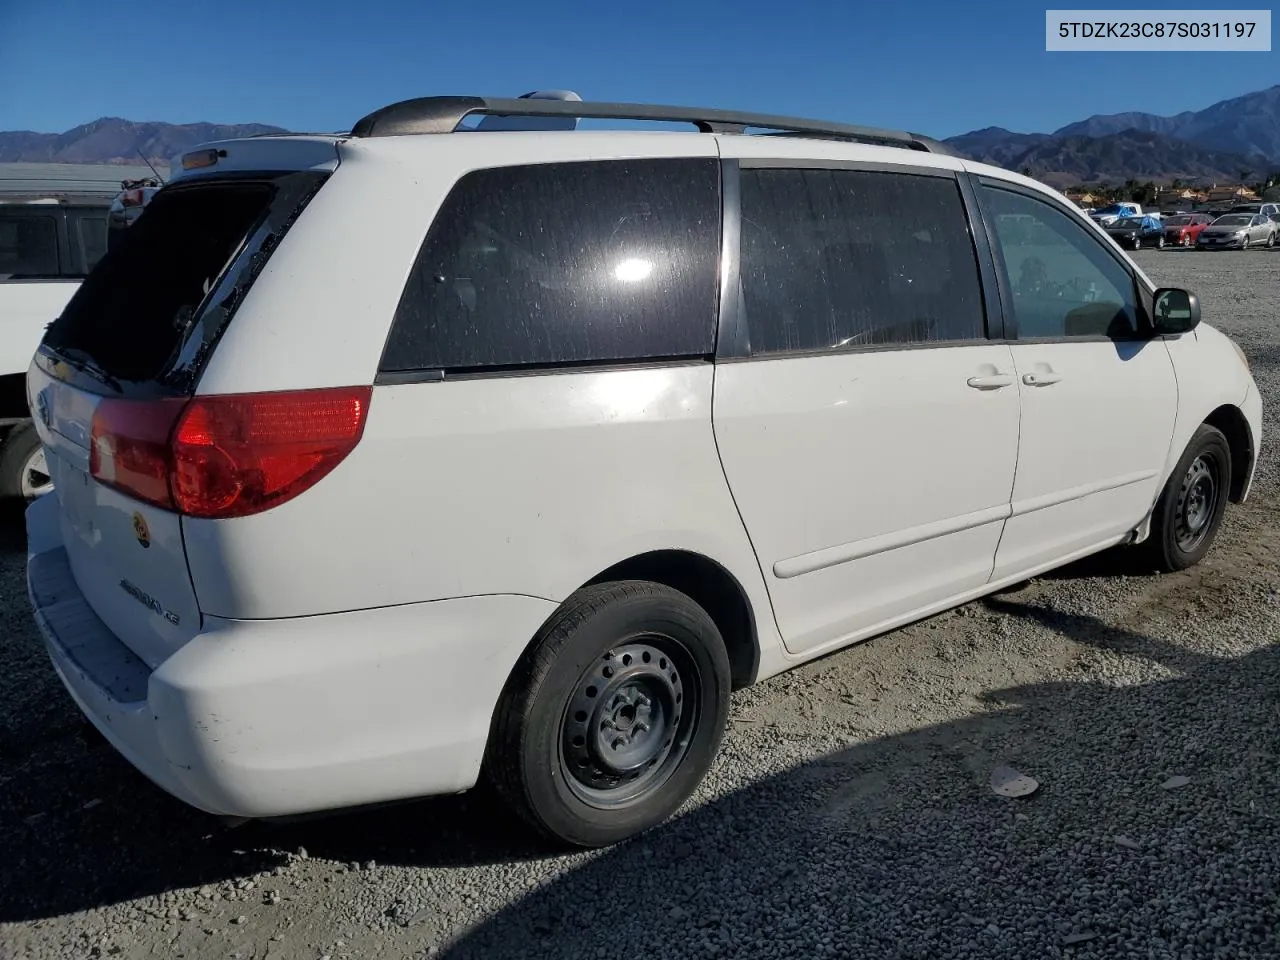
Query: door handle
point(1040, 379)
point(993, 382)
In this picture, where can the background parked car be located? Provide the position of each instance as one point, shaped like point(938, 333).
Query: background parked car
point(1266, 209)
point(1137, 232)
point(1108, 215)
point(1183, 229)
point(48, 244)
point(1239, 230)
point(128, 205)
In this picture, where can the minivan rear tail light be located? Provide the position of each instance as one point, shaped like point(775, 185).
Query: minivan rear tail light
point(225, 456)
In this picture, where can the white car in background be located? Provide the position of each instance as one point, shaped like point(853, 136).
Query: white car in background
point(48, 244)
point(388, 460)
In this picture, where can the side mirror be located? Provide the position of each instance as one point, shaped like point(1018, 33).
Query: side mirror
point(1175, 311)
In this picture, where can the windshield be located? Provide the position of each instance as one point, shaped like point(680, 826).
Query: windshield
point(1131, 223)
point(1233, 220)
point(1178, 221)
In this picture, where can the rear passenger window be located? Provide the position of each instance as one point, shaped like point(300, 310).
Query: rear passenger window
point(28, 248)
point(565, 263)
point(835, 259)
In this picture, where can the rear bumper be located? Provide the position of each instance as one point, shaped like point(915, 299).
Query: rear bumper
point(280, 717)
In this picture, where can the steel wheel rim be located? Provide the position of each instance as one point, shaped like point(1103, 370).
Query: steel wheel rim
point(1197, 502)
point(629, 722)
point(35, 480)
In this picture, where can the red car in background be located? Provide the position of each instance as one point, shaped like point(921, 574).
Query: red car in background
point(1182, 230)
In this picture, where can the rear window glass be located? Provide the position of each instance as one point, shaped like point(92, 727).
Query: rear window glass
point(159, 298)
point(565, 263)
point(28, 247)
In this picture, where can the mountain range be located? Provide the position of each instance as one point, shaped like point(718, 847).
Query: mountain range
point(1233, 140)
point(1236, 139)
point(113, 140)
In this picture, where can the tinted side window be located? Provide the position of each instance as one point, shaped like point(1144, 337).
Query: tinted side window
point(843, 258)
point(1064, 282)
point(28, 247)
point(90, 232)
point(563, 263)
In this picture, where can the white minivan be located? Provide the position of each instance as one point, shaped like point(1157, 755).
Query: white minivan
point(388, 461)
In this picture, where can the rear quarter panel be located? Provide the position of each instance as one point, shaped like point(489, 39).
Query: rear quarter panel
point(511, 485)
point(516, 485)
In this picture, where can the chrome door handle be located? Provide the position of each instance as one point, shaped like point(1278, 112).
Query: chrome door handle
point(994, 382)
point(1040, 379)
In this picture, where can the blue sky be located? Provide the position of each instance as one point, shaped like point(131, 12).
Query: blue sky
point(939, 67)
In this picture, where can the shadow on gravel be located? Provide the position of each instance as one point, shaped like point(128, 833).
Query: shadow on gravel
point(820, 847)
point(898, 848)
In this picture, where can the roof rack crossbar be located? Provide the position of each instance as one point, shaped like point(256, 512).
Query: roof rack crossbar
point(444, 115)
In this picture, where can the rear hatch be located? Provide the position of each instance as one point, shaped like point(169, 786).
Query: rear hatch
point(116, 370)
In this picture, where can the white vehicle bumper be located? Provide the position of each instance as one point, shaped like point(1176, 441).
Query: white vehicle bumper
point(278, 717)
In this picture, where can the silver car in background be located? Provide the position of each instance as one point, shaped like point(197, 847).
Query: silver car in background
point(1238, 231)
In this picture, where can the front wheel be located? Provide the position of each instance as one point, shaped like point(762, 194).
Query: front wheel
point(1137, 243)
point(1160, 242)
point(1244, 244)
point(1189, 512)
point(613, 716)
point(1186, 240)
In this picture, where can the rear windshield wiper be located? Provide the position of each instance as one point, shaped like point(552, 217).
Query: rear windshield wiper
point(86, 364)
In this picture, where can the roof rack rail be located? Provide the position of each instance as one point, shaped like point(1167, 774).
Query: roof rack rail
point(444, 115)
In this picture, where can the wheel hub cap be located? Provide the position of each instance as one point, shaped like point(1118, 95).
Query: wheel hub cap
point(35, 480)
point(1198, 499)
point(627, 723)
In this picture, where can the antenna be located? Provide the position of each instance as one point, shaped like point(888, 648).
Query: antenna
point(149, 164)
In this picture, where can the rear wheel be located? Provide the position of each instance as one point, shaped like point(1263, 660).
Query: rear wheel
point(1189, 511)
point(614, 715)
point(24, 470)
point(1271, 240)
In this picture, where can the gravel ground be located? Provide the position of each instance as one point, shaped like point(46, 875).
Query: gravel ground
point(849, 814)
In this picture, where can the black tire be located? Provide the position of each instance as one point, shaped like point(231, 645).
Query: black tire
point(1160, 242)
point(1182, 527)
point(21, 444)
point(1137, 243)
point(548, 754)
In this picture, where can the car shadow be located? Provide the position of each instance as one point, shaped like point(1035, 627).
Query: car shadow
point(815, 846)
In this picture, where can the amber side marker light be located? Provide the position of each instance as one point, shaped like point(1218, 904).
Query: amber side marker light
point(201, 158)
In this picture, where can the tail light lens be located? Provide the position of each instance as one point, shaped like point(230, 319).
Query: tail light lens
point(225, 456)
point(131, 198)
